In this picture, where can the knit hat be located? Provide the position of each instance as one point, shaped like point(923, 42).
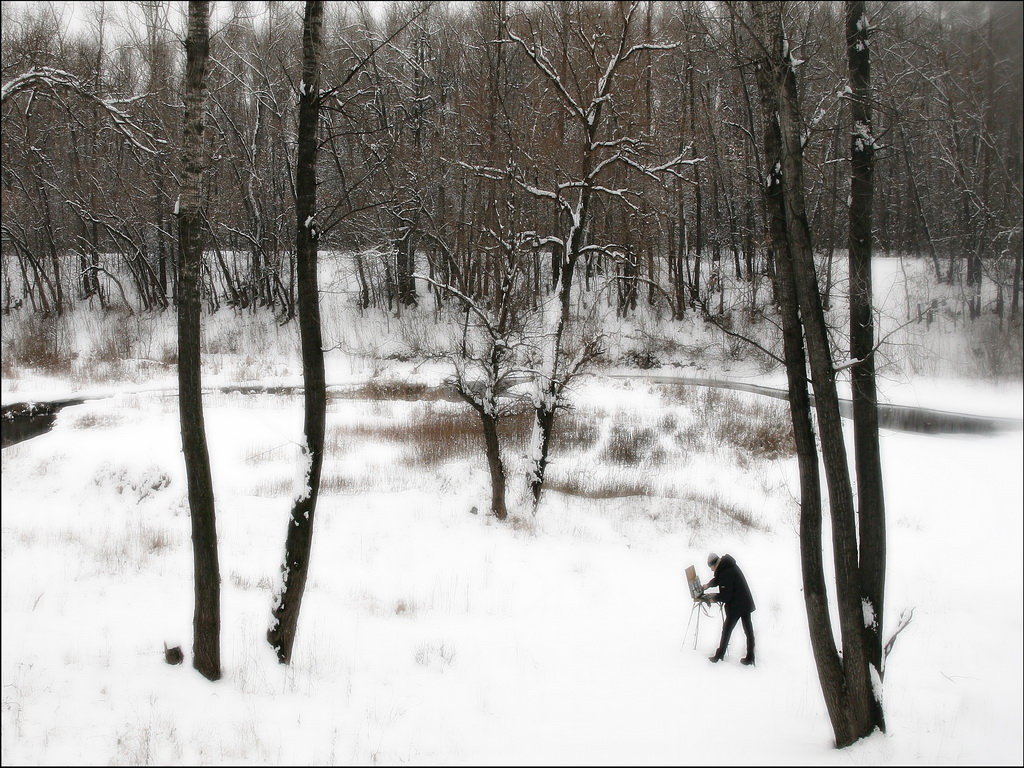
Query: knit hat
point(712, 560)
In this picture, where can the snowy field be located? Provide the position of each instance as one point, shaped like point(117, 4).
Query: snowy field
point(432, 635)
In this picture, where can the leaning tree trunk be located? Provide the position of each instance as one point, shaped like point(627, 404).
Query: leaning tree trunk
point(281, 634)
point(870, 498)
point(862, 704)
point(861, 711)
point(819, 621)
point(206, 618)
point(861, 701)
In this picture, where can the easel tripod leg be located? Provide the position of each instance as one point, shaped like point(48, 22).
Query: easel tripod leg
point(687, 632)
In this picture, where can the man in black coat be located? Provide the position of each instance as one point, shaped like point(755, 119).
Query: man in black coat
point(734, 594)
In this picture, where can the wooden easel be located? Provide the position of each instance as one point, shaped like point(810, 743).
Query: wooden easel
point(701, 601)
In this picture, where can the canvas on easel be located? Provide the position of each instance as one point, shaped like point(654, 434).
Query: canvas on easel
point(694, 583)
point(701, 602)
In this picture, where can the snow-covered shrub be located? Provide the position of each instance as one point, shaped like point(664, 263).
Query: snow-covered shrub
point(439, 655)
point(405, 607)
point(137, 485)
point(644, 359)
point(92, 420)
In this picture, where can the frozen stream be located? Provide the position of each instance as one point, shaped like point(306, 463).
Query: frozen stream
point(22, 421)
point(904, 418)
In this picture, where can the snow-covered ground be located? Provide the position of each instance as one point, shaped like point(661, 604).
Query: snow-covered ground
point(432, 635)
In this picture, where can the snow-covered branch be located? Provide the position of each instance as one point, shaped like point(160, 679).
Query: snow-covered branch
point(545, 66)
point(497, 174)
point(905, 618)
point(57, 79)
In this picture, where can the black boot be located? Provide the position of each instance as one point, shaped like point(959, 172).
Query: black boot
point(748, 660)
point(715, 659)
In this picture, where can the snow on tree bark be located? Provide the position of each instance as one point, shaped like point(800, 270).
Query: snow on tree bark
point(295, 569)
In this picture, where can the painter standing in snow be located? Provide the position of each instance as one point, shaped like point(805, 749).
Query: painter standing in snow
point(734, 594)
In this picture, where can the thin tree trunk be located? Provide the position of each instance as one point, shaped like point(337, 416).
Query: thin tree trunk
point(870, 497)
point(206, 619)
point(1015, 289)
point(281, 634)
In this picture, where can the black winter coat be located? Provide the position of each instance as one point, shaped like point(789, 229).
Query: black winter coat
point(732, 586)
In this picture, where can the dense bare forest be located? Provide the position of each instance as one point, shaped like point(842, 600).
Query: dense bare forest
point(454, 134)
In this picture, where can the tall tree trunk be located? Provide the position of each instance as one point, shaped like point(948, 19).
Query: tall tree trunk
point(819, 621)
point(826, 401)
point(698, 207)
point(281, 634)
point(870, 498)
point(679, 284)
point(851, 701)
point(206, 618)
point(919, 204)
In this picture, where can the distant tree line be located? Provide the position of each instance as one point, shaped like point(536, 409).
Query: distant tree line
point(440, 123)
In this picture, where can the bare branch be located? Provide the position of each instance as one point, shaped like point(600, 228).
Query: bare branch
point(905, 618)
point(56, 79)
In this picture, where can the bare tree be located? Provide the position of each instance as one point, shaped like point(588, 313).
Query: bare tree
point(596, 151)
point(486, 355)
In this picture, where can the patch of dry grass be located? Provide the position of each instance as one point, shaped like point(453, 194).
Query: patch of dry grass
point(761, 428)
point(97, 421)
point(379, 389)
point(704, 509)
point(35, 341)
point(439, 434)
point(633, 444)
point(332, 483)
point(575, 429)
point(594, 484)
point(754, 426)
point(588, 459)
point(431, 437)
